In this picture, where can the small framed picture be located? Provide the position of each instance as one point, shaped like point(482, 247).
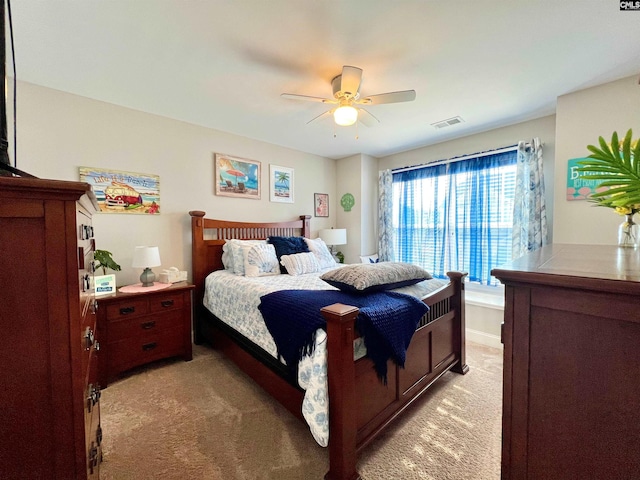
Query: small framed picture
point(321, 204)
point(281, 182)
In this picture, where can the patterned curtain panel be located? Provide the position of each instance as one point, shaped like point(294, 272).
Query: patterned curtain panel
point(529, 209)
point(385, 217)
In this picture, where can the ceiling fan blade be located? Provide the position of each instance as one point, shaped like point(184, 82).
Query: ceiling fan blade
point(391, 97)
point(367, 118)
point(350, 82)
point(307, 98)
point(323, 114)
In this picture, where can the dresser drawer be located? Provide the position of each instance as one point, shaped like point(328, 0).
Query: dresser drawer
point(136, 351)
point(160, 303)
point(127, 309)
point(143, 327)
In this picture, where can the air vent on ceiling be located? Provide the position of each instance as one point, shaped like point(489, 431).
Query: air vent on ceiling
point(448, 122)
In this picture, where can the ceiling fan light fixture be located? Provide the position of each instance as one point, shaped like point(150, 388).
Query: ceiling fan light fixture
point(345, 115)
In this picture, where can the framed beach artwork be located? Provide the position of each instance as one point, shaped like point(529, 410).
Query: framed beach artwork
point(237, 177)
point(281, 181)
point(123, 192)
point(321, 204)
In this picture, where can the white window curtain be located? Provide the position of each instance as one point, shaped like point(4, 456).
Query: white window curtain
point(385, 216)
point(529, 210)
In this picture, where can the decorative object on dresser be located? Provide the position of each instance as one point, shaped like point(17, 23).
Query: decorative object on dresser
point(49, 399)
point(146, 257)
point(571, 334)
point(105, 284)
point(138, 328)
point(616, 167)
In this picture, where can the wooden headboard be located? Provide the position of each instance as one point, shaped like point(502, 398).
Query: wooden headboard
point(208, 237)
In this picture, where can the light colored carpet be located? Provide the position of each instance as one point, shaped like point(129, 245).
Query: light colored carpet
point(205, 419)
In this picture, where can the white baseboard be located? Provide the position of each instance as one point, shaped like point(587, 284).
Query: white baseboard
point(483, 338)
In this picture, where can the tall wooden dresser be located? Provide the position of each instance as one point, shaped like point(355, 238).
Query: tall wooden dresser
point(571, 398)
point(49, 400)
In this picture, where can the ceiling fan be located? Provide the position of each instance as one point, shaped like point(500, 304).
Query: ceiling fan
point(346, 97)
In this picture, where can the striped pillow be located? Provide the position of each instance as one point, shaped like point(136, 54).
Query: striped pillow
point(300, 263)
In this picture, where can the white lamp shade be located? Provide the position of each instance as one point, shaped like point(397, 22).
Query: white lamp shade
point(333, 236)
point(345, 115)
point(146, 256)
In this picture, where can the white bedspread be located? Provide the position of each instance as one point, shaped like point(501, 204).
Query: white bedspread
point(234, 299)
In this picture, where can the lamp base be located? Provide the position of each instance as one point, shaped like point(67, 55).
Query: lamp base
point(147, 277)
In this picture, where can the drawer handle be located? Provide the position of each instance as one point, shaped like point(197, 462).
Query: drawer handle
point(148, 325)
point(149, 346)
point(167, 303)
point(127, 310)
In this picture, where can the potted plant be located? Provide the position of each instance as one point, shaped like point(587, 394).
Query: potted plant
point(105, 283)
point(617, 164)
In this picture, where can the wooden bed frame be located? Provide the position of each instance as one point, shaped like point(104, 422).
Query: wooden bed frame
point(360, 406)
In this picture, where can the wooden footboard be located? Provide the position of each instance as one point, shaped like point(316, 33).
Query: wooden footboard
point(360, 406)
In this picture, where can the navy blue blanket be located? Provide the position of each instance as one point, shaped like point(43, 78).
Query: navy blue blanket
point(386, 321)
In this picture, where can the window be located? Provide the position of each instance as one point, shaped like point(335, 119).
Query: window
point(456, 216)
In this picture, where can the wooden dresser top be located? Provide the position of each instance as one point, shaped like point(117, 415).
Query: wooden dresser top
point(594, 267)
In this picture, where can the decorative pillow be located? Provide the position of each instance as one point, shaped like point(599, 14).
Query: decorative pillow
point(300, 263)
point(260, 260)
point(288, 246)
point(370, 258)
point(321, 251)
point(238, 254)
point(372, 277)
point(227, 256)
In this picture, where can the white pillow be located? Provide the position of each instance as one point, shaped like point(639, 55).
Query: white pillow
point(238, 254)
point(370, 258)
point(260, 260)
point(321, 251)
point(300, 263)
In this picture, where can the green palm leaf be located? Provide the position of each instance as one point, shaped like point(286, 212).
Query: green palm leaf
point(618, 166)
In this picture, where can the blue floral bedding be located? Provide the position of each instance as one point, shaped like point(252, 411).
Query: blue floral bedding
point(234, 299)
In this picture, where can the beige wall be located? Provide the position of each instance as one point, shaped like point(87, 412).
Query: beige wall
point(59, 132)
point(582, 117)
point(358, 175)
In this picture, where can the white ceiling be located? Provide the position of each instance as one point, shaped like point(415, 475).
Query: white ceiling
point(223, 64)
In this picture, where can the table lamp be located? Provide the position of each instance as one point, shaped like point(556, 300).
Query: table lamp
point(334, 236)
point(146, 257)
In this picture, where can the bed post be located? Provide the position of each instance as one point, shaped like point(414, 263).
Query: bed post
point(341, 375)
point(198, 261)
point(457, 280)
point(306, 226)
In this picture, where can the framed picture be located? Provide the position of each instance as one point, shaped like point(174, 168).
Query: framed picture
point(237, 177)
point(321, 204)
point(123, 192)
point(579, 187)
point(281, 181)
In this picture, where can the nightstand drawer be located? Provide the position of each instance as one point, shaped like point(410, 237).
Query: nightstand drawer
point(166, 302)
point(132, 352)
point(132, 308)
point(142, 327)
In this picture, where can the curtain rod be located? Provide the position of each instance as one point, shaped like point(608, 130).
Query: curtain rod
point(456, 159)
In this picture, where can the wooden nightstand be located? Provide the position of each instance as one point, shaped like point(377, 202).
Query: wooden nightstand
point(138, 328)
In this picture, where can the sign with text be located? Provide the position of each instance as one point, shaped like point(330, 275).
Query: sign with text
point(579, 187)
